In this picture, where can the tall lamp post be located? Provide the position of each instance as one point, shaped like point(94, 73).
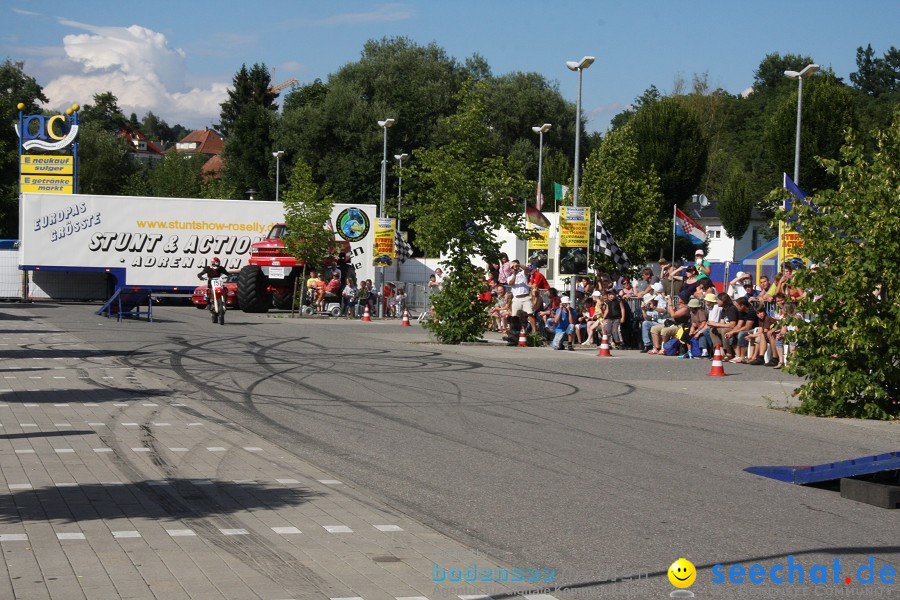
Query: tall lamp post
point(540, 130)
point(807, 71)
point(385, 124)
point(400, 158)
point(579, 65)
point(277, 154)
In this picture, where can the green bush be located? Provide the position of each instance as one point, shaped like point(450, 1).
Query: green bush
point(459, 316)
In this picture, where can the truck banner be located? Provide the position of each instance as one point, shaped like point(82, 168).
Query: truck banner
point(161, 242)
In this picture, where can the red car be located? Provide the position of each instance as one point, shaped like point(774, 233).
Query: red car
point(199, 296)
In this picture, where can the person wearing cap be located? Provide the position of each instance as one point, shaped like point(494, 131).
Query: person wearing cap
point(564, 321)
point(713, 312)
point(736, 287)
point(703, 266)
point(698, 325)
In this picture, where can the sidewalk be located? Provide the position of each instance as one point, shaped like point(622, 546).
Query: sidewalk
point(114, 487)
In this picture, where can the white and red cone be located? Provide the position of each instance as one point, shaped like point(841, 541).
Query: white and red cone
point(604, 346)
point(366, 317)
point(405, 322)
point(523, 341)
point(717, 370)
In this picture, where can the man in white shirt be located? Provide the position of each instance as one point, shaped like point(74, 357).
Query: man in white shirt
point(736, 287)
point(518, 285)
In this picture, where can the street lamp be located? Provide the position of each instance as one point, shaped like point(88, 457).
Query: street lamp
point(579, 66)
point(541, 130)
point(799, 76)
point(277, 154)
point(384, 125)
point(400, 158)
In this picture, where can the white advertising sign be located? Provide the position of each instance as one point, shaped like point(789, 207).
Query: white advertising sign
point(163, 242)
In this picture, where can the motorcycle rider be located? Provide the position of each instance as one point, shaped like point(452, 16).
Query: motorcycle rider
point(211, 271)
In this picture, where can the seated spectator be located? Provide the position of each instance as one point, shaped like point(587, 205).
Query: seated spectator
point(689, 281)
point(679, 315)
point(727, 320)
point(713, 311)
point(496, 323)
point(745, 324)
point(329, 291)
point(652, 316)
point(552, 304)
point(313, 283)
point(563, 320)
point(790, 312)
point(761, 338)
point(699, 318)
point(736, 287)
point(763, 289)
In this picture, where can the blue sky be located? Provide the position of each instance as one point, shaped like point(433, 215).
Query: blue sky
point(178, 58)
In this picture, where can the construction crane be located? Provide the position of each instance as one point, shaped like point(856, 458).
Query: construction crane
point(284, 84)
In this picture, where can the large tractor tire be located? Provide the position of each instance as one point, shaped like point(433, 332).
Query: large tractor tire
point(253, 297)
point(284, 300)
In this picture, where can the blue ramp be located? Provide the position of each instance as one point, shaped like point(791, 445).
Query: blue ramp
point(865, 465)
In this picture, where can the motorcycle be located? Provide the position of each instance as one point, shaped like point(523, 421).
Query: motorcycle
point(216, 303)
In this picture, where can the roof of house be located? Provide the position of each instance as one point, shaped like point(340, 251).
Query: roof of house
point(711, 212)
point(134, 136)
point(213, 167)
point(207, 140)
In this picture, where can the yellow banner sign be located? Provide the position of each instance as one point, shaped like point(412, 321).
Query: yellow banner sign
point(790, 245)
point(47, 164)
point(538, 248)
point(574, 236)
point(383, 244)
point(47, 184)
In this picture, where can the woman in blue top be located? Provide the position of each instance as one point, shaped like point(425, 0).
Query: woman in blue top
point(564, 320)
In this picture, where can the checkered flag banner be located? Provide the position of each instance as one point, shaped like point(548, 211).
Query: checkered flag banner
point(605, 243)
point(402, 249)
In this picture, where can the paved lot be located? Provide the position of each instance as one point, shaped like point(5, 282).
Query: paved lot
point(276, 458)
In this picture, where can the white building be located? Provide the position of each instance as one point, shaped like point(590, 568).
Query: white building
point(723, 248)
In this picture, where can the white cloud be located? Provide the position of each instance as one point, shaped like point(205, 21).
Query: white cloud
point(26, 13)
point(137, 65)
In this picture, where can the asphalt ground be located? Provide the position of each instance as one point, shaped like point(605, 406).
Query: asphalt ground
point(602, 469)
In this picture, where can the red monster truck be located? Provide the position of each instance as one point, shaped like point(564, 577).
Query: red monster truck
point(272, 271)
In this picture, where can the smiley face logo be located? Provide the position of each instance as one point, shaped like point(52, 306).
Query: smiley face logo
point(682, 573)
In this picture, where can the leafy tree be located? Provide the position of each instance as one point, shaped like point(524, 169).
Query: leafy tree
point(769, 75)
point(104, 113)
point(650, 95)
point(876, 76)
point(462, 195)
point(307, 216)
point(849, 352)
point(248, 152)
point(670, 141)
point(175, 176)
point(735, 204)
point(15, 87)
point(104, 158)
point(625, 196)
point(311, 94)
point(251, 88)
point(828, 110)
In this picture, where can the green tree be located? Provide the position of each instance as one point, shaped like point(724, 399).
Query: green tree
point(850, 351)
point(625, 196)
point(307, 216)
point(15, 87)
point(670, 140)
point(769, 75)
point(250, 88)
point(175, 176)
point(828, 111)
point(104, 113)
point(248, 153)
point(650, 95)
point(105, 162)
point(462, 195)
point(735, 204)
point(876, 76)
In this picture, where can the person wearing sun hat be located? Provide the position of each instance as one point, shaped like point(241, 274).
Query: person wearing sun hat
point(564, 320)
point(699, 317)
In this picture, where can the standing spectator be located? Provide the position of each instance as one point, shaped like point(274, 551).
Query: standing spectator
point(348, 297)
point(400, 301)
point(612, 318)
point(387, 299)
point(362, 298)
point(538, 280)
point(703, 266)
point(518, 282)
point(439, 278)
point(627, 291)
point(503, 269)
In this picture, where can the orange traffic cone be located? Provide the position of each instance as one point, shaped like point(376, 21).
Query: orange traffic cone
point(366, 317)
point(716, 370)
point(405, 322)
point(604, 346)
point(523, 341)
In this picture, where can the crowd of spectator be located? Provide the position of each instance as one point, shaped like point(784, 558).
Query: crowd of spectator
point(678, 312)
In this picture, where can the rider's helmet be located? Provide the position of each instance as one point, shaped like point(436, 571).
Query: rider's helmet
point(215, 261)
